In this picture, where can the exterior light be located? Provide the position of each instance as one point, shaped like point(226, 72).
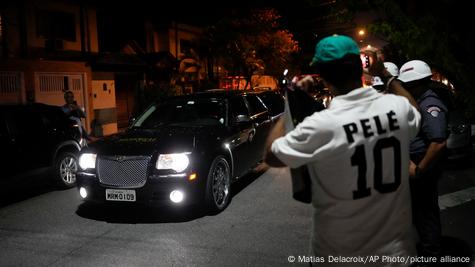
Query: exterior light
point(178, 162)
point(83, 192)
point(177, 196)
point(192, 177)
point(361, 32)
point(87, 161)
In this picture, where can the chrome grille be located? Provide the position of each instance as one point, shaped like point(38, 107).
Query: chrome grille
point(123, 171)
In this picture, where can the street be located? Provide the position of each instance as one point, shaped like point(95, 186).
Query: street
point(262, 226)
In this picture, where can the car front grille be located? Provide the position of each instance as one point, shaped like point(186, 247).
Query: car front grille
point(123, 171)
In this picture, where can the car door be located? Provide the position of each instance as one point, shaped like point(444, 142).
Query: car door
point(261, 125)
point(29, 141)
point(241, 128)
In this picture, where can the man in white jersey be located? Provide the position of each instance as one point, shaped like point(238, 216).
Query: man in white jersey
point(357, 151)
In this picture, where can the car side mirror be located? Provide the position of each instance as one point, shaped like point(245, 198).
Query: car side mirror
point(131, 121)
point(240, 119)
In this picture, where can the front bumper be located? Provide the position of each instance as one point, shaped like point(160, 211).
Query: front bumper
point(155, 192)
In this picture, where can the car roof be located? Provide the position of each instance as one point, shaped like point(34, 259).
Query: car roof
point(20, 105)
point(215, 93)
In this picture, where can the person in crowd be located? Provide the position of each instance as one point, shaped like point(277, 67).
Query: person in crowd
point(426, 152)
point(391, 68)
point(74, 112)
point(357, 153)
point(378, 84)
point(376, 81)
point(301, 98)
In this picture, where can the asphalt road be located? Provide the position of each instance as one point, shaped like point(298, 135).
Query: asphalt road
point(263, 226)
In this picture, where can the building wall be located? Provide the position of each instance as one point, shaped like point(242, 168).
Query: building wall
point(104, 103)
point(179, 32)
point(264, 81)
point(34, 41)
point(11, 33)
point(161, 42)
point(91, 19)
point(25, 65)
point(30, 70)
point(21, 25)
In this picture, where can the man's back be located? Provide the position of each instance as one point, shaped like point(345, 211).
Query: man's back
point(357, 152)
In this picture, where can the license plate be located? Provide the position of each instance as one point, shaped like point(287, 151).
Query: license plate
point(120, 195)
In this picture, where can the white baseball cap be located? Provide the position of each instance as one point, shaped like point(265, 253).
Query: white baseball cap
point(391, 68)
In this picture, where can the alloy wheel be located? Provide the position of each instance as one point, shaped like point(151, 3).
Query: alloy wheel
point(221, 184)
point(67, 169)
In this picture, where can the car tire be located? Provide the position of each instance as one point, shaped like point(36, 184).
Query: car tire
point(218, 185)
point(66, 166)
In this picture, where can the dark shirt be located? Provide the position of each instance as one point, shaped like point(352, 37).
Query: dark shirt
point(433, 125)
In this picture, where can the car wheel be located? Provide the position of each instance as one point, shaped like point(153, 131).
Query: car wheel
point(66, 168)
point(218, 189)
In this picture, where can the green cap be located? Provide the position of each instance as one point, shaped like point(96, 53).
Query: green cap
point(333, 48)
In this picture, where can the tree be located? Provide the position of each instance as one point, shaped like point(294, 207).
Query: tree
point(434, 31)
point(249, 43)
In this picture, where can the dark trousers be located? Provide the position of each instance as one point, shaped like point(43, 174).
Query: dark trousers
point(426, 213)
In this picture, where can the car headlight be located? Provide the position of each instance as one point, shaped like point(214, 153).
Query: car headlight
point(177, 162)
point(87, 161)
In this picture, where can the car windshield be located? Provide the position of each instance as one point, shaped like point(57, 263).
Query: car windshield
point(183, 112)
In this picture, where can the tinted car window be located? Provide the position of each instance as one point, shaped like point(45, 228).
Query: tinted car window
point(183, 112)
point(256, 105)
point(53, 116)
point(273, 101)
point(22, 121)
point(238, 107)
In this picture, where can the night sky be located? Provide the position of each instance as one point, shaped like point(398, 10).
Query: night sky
point(298, 16)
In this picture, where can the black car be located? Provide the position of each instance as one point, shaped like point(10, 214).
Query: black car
point(274, 102)
point(459, 142)
point(185, 150)
point(37, 139)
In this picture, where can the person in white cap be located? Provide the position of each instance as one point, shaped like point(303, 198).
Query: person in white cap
point(391, 68)
point(427, 150)
point(376, 81)
point(357, 153)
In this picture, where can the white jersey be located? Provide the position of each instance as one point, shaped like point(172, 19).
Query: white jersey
point(357, 152)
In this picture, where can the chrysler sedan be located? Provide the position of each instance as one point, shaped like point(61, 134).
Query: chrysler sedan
point(186, 150)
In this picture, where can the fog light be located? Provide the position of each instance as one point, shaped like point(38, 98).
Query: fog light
point(83, 192)
point(176, 196)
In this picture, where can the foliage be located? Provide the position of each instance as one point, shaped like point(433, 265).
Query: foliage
point(434, 31)
point(250, 43)
point(431, 37)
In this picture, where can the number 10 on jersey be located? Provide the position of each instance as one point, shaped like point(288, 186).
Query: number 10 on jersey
point(358, 159)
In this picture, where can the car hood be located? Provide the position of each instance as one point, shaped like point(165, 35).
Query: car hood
point(167, 139)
